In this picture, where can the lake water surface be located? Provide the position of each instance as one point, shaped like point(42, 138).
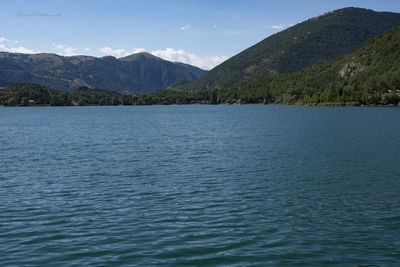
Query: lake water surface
point(199, 185)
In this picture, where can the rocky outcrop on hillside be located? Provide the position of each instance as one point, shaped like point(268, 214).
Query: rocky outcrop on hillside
point(351, 69)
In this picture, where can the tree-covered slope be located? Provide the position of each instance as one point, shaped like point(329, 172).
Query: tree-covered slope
point(309, 43)
point(32, 94)
point(368, 76)
point(25, 94)
point(138, 73)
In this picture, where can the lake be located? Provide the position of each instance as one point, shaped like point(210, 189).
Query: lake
point(221, 185)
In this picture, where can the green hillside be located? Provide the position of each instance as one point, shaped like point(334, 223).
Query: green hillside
point(369, 76)
point(312, 42)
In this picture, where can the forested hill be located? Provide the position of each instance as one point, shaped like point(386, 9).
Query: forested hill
point(137, 73)
point(369, 76)
point(309, 43)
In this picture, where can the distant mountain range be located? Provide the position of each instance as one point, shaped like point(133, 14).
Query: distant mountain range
point(137, 73)
point(297, 48)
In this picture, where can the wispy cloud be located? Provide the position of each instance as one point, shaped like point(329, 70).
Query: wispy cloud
point(65, 50)
point(37, 14)
point(113, 52)
point(278, 27)
point(6, 45)
point(138, 50)
point(186, 27)
point(3, 39)
point(179, 55)
point(18, 49)
point(120, 52)
point(169, 54)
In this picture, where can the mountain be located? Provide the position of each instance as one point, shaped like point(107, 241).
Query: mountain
point(304, 45)
point(369, 76)
point(137, 73)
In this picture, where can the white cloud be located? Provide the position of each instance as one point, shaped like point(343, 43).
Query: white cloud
point(215, 26)
point(18, 49)
point(188, 58)
point(138, 50)
point(113, 52)
point(186, 27)
point(65, 50)
point(3, 39)
point(169, 54)
point(120, 52)
point(278, 27)
point(86, 49)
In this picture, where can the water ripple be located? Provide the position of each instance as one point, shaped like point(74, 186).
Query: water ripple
point(197, 185)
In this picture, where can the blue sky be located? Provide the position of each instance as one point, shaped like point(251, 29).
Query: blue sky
point(198, 32)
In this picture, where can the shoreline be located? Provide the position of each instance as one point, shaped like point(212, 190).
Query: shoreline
point(333, 105)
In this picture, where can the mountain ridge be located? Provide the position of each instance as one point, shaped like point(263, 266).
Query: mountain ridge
point(133, 74)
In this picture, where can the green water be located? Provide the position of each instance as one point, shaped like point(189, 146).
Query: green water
point(199, 185)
